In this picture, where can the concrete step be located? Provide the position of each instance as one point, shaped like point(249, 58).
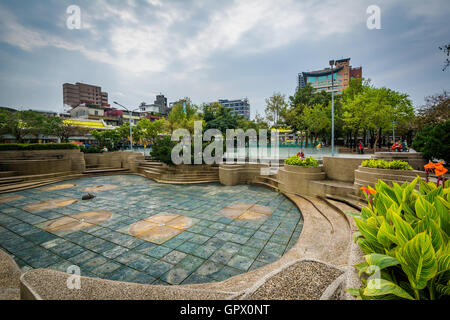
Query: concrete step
point(5, 174)
point(356, 204)
point(104, 170)
point(267, 185)
point(18, 179)
point(186, 182)
point(334, 187)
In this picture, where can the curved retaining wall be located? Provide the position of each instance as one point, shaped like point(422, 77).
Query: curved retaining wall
point(295, 179)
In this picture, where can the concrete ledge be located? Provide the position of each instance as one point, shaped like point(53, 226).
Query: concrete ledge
point(9, 277)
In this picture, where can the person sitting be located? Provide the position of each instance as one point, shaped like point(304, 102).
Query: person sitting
point(105, 149)
point(405, 146)
point(301, 154)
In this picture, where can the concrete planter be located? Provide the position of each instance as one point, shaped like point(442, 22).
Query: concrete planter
point(234, 174)
point(295, 179)
point(369, 176)
point(415, 159)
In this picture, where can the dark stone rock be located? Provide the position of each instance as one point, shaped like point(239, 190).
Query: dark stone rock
point(87, 196)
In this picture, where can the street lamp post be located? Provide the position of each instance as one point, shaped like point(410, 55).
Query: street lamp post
point(393, 131)
point(131, 133)
point(332, 108)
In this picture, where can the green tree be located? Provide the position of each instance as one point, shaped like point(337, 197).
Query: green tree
point(183, 116)
point(109, 138)
point(149, 130)
point(216, 116)
point(434, 141)
point(21, 123)
point(275, 107)
point(57, 127)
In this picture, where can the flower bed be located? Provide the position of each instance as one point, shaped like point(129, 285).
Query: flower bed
point(383, 164)
point(297, 161)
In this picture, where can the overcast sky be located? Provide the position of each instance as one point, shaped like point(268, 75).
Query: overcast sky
point(214, 49)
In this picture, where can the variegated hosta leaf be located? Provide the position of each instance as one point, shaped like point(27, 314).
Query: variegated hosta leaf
point(418, 260)
point(380, 287)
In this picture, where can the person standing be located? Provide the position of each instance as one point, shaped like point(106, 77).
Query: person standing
point(361, 147)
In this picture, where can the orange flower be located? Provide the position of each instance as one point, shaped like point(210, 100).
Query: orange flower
point(368, 190)
point(439, 171)
point(430, 165)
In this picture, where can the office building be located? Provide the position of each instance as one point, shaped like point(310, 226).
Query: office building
point(81, 93)
point(240, 106)
point(322, 79)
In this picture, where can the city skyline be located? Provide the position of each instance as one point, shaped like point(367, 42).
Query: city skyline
point(213, 51)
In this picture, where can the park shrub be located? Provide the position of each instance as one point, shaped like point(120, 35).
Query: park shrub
point(91, 149)
point(162, 149)
point(297, 161)
point(404, 233)
point(383, 164)
point(434, 141)
point(37, 146)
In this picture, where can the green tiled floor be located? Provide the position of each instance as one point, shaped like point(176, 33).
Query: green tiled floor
point(214, 248)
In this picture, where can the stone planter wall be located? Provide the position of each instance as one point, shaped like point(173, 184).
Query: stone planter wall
point(296, 179)
point(341, 169)
point(234, 174)
point(31, 162)
point(119, 159)
point(415, 159)
point(369, 176)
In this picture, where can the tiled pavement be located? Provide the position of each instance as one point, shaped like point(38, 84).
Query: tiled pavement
point(214, 248)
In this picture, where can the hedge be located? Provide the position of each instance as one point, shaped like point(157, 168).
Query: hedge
point(37, 146)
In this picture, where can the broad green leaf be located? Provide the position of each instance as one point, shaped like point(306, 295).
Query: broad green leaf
point(444, 263)
point(386, 235)
point(353, 214)
point(418, 261)
point(369, 246)
point(425, 208)
point(354, 292)
point(443, 289)
point(379, 287)
point(356, 235)
point(403, 231)
point(367, 230)
point(432, 229)
point(380, 260)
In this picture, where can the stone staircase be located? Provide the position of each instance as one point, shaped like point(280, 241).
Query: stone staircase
point(162, 173)
point(14, 183)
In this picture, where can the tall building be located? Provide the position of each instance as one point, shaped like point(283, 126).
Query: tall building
point(239, 106)
point(79, 93)
point(322, 79)
point(159, 106)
